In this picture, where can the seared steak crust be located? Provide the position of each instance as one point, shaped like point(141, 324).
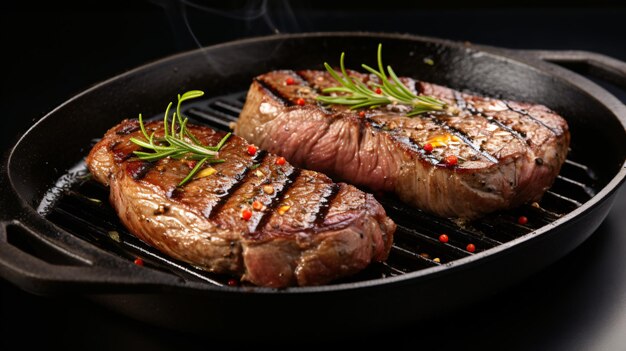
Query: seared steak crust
point(508, 152)
point(309, 230)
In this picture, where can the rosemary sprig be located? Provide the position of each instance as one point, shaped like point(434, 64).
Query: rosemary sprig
point(392, 91)
point(178, 142)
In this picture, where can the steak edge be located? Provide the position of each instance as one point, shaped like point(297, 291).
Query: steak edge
point(508, 152)
point(309, 231)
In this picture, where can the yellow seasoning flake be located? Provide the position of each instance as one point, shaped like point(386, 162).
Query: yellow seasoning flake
point(206, 172)
point(442, 140)
point(115, 236)
point(259, 173)
point(283, 209)
point(268, 189)
point(436, 259)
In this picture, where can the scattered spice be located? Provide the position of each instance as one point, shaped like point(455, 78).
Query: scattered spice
point(252, 150)
point(259, 173)
point(300, 102)
point(436, 259)
point(209, 171)
point(283, 209)
point(268, 189)
point(425, 255)
point(522, 220)
point(429, 61)
point(379, 91)
point(246, 214)
point(443, 238)
point(428, 148)
point(470, 247)
point(451, 160)
point(290, 81)
point(361, 114)
point(115, 236)
point(257, 205)
point(138, 261)
point(280, 161)
point(232, 282)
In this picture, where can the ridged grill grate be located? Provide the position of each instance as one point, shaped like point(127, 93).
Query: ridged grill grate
point(83, 210)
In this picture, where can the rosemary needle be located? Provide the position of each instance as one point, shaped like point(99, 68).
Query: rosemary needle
point(358, 95)
point(178, 143)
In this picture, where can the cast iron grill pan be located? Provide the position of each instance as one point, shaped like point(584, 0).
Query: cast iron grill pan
point(59, 235)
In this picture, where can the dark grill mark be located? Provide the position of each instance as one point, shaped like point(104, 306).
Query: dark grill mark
point(460, 102)
point(139, 169)
point(325, 204)
point(274, 92)
point(306, 82)
point(239, 181)
point(516, 134)
point(127, 129)
point(535, 119)
point(397, 136)
point(418, 87)
point(120, 151)
point(465, 138)
point(270, 208)
point(463, 105)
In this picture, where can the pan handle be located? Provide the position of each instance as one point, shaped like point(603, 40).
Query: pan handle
point(594, 64)
point(43, 268)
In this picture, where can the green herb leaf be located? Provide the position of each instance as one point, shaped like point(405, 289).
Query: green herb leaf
point(173, 144)
point(392, 91)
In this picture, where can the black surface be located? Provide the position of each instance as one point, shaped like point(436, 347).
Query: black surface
point(574, 304)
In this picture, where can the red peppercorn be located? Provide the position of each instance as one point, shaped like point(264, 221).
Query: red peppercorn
point(522, 220)
point(379, 91)
point(443, 238)
point(470, 247)
point(280, 161)
point(362, 114)
point(246, 214)
point(232, 282)
point(138, 261)
point(451, 160)
point(252, 150)
point(300, 102)
point(428, 148)
point(290, 81)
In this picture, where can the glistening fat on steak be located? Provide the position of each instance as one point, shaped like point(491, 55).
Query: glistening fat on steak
point(478, 156)
point(305, 229)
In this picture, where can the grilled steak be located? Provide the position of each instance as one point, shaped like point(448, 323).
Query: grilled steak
point(487, 154)
point(308, 230)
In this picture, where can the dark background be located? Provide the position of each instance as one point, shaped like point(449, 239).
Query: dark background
point(55, 50)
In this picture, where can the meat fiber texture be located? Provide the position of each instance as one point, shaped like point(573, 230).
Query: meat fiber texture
point(508, 152)
point(307, 231)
